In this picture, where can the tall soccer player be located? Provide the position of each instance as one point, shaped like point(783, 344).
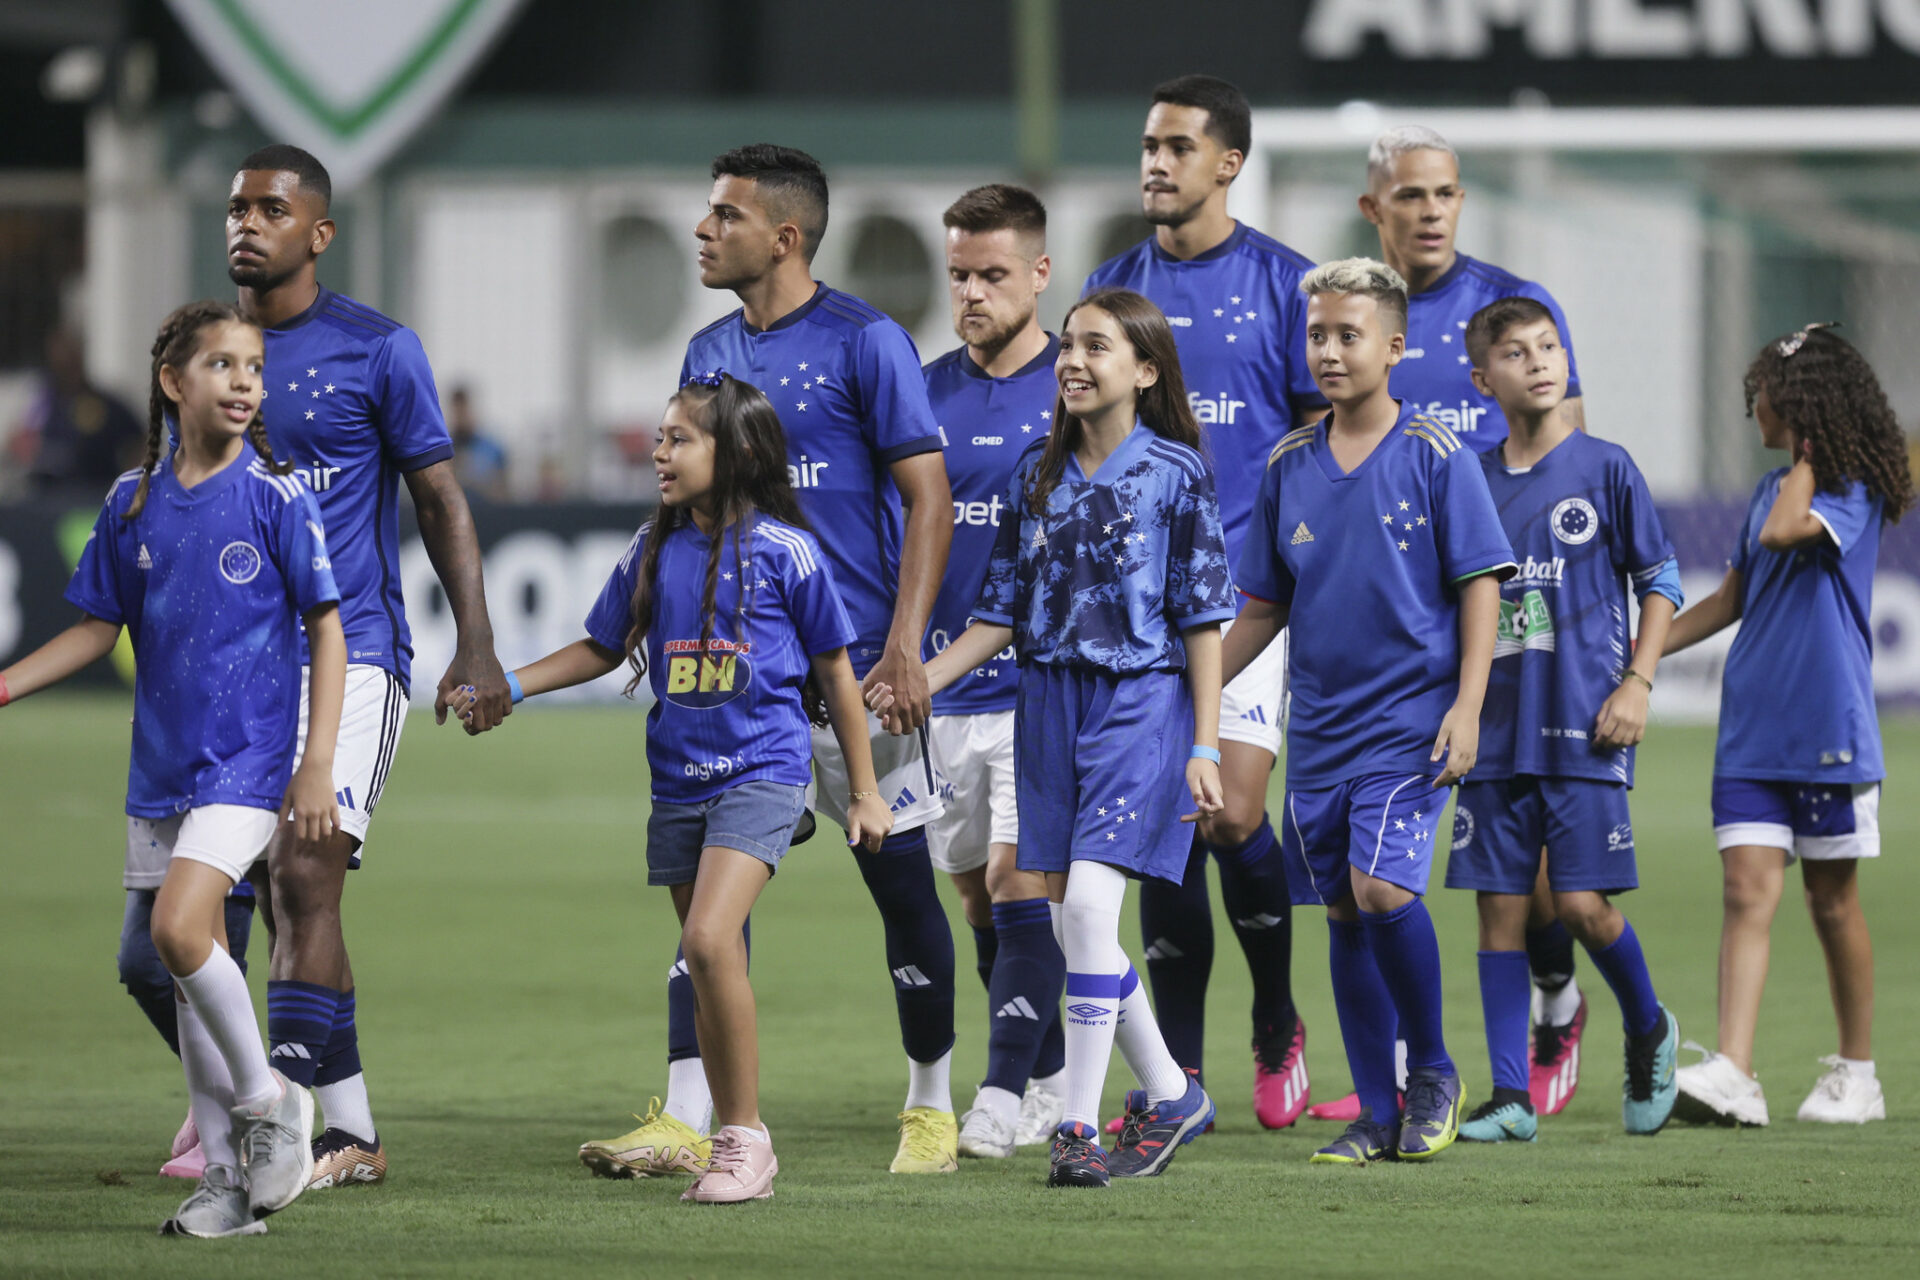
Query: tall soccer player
point(862, 444)
point(993, 397)
point(351, 403)
point(1233, 298)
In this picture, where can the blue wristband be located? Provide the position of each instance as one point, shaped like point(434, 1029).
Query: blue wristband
point(1205, 753)
point(513, 686)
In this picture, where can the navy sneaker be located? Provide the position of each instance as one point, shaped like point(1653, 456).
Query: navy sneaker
point(1152, 1134)
point(1078, 1160)
point(1432, 1119)
point(1363, 1143)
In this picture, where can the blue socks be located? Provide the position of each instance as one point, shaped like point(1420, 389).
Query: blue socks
point(1367, 1020)
point(1253, 888)
point(299, 1026)
point(919, 941)
point(341, 1058)
point(1176, 931)
point(1624, 966)
point(1408, 954)
point(1506, 991)
point(1024, 993)
point(986, 947)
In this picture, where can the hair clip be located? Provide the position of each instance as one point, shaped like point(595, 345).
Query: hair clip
point(1787, 346)
point(711, 378)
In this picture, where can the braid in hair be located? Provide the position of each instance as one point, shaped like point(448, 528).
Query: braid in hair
point(257, 437)
point(1827, 392)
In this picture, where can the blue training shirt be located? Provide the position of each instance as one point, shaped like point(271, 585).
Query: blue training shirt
point(735, 716)
point(985, 424)
point(846, 383)
point(1369, 563)
point(1433, 376)
point(1583, 527)
point(1117, 565)
point(1796, 698)
point(351, 403)
point(210, 583)
point(1240, 322)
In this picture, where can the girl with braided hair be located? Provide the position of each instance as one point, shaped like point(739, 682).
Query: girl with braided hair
point(1797, 770)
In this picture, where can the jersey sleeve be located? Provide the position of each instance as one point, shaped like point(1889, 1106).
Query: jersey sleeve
point(413, 434)
point(998, 590)
point(1540, 295)
point(813, 602)
point(612, 614)
point(300, 549)
point(1199, 578)
point(1470, 539)
point(1263, 575)
point(97, 580)
point(895, 414)
point(1846, 514)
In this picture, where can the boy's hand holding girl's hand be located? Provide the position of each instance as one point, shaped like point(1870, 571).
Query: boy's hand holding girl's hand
point(309, 803)
point(868, 821)
point(1458, 743)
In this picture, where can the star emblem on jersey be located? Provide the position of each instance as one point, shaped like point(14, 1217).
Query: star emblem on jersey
point(1026, 426)
point(1402, 522)
point(803, 366)
point(1046, 415)
point(801, 405)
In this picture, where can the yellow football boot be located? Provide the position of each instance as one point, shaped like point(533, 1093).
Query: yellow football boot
point(929, 1142)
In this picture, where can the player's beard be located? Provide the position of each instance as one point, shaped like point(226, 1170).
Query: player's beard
point(260, 279)
point(995, 341)
point(1172, 217)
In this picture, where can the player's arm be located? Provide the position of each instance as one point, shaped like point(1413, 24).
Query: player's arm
point(1713, 614)
point(868, 819)
point(1459, 740)
point(1259, 623)
point(579, 662)
point(924, 492)
point(979, 642)
point(1623, 716)
point(1203, 685)
point(1791, 523)
point(79, 646)
point(446, 528)
point(309, 803)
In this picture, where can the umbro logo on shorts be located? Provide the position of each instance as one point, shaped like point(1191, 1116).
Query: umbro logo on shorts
point(1017, 1008)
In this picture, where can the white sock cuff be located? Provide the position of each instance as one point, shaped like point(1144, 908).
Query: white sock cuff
point(1861, 1067)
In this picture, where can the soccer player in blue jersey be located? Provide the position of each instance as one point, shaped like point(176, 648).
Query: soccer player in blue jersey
point(1566, 705)
point(211, 558)
point(862, 445)
point(993, 397)
point(1798, 767)
point(1376, 539)
point(1232, 296)
point(1111, 583)
point(350, 401)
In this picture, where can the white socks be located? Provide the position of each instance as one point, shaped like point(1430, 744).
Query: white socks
point(688, 1099)
point(1145, 1049)
point(344, 1103)
point(1858, 1068)
point(209, 1089)
point(929, 1084)
point(1558, 1007)
point(1004, 1107)
point(218, 993)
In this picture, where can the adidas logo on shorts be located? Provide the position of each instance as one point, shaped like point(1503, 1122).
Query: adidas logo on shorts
point(1018, 1007)
point(910, 976)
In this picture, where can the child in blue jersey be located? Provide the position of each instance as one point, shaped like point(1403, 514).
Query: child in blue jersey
point(212, 561)
point(1797, 770)
point(1111, 585)
point(1565, 707)
point(1376, 539)
point(726, 606)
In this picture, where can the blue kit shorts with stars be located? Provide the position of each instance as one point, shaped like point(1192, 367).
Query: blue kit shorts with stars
point(1381, 823)
point(1500, 827)
point(1813, 820)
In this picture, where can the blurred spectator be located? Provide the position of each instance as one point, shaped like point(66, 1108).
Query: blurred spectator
point(478, 460)
point(74, 435)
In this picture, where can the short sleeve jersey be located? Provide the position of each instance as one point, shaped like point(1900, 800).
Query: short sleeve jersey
point(734, 713)
point(1796, 698)
point(1116, 566)
point(210, 583)
point(1434, 375)
point(351, 403)
point(1240, 322)
point(985, 424)
point(847, 385)
point(1583, 528)
point(1369, 563)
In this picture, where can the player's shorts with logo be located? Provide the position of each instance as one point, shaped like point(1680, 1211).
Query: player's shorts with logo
point(227, 837)
point(1818, 821)
point(974, 769)
point(1500, 826)
point(1381, 823)
point(372, 714)
point(1253, 706)
point(904, 765)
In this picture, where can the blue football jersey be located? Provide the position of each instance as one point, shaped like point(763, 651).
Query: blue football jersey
point(1117, 565)
point(1369, 563)
point(351, 403)
point(846, 382)
point(1434, 378)
point(1583, 527)
point(1240, 322)
point(733, 715)
point(1796, 698)
point(210, 583)
point(985, 424)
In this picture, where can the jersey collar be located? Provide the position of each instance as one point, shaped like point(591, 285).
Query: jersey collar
point(320, 301)
point(792, 317)
point(1221, 250)
point(1048, 354)
point(1453, 273)
point(1323, 448)
point(1116, 462)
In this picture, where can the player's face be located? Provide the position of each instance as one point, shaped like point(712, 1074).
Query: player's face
point(1349, 346)
point(217, 391)
point(1774, 431)
point(994, 285)
point(737, 237)
point(273, 228)
point(1097, 367)
point(1417, 209)
point(683, 460)
point(1180, 165)
point(1526, 368)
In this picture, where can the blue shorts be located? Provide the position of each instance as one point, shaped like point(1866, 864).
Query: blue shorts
point(757, 818)
point(1499, 828)
point(1381, 823)
point(1818, 821)
point(1100, 770)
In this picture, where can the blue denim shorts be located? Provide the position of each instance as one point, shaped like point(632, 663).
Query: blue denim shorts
point(757, 818)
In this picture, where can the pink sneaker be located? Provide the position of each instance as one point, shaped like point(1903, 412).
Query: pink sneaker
point(1343, 1110)
point(1280, 1087)
point(1554, 1073)
point(190, 1164)
point(188, 1138)
point(741, 1168)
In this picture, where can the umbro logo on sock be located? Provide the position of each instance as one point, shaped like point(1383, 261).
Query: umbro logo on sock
point(1161, 949)
point(1086, 1011)
point(910, 976)
point(291, 1050)
point(1301, 535)
point(1017, 1008)
point(145, 561)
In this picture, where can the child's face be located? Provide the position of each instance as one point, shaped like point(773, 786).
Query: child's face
point(217, 391)
point(1348, 346)
point(683, 460)
point(1097, 367)
point(1526, 370)
point(1774, 431)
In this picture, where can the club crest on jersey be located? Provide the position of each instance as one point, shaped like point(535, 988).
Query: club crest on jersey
point(700, 682)
point(1575, 521)
point(239, 563)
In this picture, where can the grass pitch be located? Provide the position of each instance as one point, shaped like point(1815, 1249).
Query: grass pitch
point(511, 964)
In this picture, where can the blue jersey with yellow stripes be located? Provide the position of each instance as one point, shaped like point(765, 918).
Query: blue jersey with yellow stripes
point(1369, 563)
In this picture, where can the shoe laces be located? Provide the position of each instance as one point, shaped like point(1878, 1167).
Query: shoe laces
point(1032, 1102)
point(920, 1133)
point(1133, 1121)
point(1835, 1083)
point(1549, 1040)
point(1424, 1095)
point(653, 1113)
point(1486, 1109)
point(1640, 1055)
point(729, 1153)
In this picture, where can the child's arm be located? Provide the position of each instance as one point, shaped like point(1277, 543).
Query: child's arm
point(1791, 523)
point(1713, 614)
point(309, 804)
point(85, 642)
point(1623, 716)
point(1459, 740)
point(579, 662)
point(868, 819)
point(1203, 684)
point(976, 644)
point(1259, 623)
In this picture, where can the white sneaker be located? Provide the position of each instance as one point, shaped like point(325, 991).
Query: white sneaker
point(1714, 1090)
point(276, 1143)
point(984, 1136)
point(1041, 1111)
point(1841, 1097)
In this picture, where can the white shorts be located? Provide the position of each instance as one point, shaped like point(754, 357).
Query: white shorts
point(1253, 706)
point(973, 766)
point(372, 714)
point(905, 768)
point(227, 837)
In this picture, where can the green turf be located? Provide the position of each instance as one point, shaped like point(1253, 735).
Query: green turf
point(511, 964)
